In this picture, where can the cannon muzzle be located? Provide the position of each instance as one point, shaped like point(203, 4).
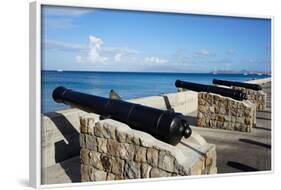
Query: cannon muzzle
point(235, 94)
point(255, 87)
point(164, 125)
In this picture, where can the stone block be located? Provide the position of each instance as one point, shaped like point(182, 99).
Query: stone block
point(140, 155)
point(152, 156)
point(97, 175)
point(156, 172)
point(166, 161)
point(132, 170)
point(145, 170)
point(95, 160)
point(117, 166)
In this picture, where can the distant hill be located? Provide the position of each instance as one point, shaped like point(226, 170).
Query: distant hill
point(245, 72)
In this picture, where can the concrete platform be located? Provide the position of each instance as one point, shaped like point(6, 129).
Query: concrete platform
point(236, 151)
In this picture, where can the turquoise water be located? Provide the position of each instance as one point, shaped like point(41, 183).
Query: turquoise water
point(127, 84)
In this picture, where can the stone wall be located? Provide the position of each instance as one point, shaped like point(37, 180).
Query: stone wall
point(110, 150)
point(256, 97)
point(215, 111)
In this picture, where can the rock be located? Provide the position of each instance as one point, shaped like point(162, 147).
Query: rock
point(115, 148)
point(121, 136)
point(152, 156)
point(82, 141)
point(110, 176)
point(132, 170)
point(84, 156)
point(91, 142)
point(117, 166)
point(98, 130)
point(140, 155)
point(106, 162)
point(212, 109)
point(97, 175)
point(180, 170)
point(87, 124)
point(95, 160)
point(85, 173)
point(102, 145)
point(145, 170)
point(156, 172)
point(108, 131)
point(131, 139)
point(166, 161)
point(130, 152)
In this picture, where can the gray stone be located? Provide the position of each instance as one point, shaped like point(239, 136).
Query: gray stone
point(152, 156)
point(166, 161)
point(85, 173)
point(131, 139)
point(117, 166)
point(91, 142)
point(180, 170)
point(102, 145)
point(140, 155)
point(145, 170)
point(114, 148)
point(82, 141)
point(98, 130)
point(87, 124)
point(110, 176)
point(121, 136)
point(108, 131)
point(95, 160)
point(156, 172)
point(97, 175)
point(84, 156)
point(132, 170)
point(130, 152)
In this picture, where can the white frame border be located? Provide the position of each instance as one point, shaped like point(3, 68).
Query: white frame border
point(35, 86)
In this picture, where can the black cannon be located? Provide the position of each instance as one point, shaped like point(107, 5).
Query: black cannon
point(235, 94)
point(255, 87)
point(167, 126)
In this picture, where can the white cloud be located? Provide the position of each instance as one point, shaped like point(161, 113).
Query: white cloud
point(118, 57)
point(94, 54)
point(155, 60)
point(52, 44)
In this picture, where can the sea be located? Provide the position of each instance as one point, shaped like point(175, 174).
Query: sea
point(127, 84)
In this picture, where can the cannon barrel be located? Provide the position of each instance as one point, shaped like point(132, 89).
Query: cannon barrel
point(235, 94)
point(255, 87)
point(164, 125)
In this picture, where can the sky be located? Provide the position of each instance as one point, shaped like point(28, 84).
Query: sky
point(134, 41)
